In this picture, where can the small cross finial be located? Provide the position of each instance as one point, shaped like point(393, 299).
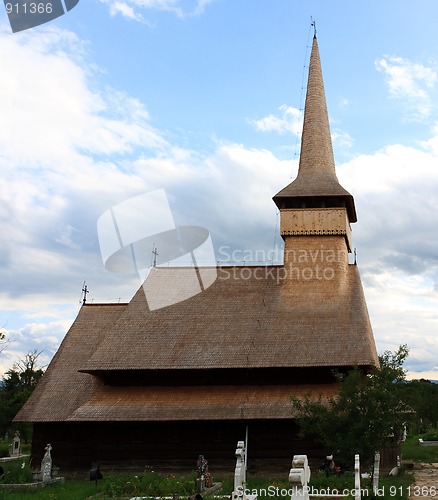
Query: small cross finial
point(313, 23)
point(85, 291)
point(155, 254)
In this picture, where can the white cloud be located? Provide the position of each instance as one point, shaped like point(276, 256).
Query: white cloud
point(341, 138)
point(288, 120)
point(42, 337)
point(408, 80)
point(427, 374)
point(431, 144)
point(125, 10)
point(131, 9)
point(394, 191)
point(388, 169)
point(72, 118)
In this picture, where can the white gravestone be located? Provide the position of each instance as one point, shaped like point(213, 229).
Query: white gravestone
point(239, 492)
point(299, 476)
point(240, 470)
point(376, 472)
point(16, 445)
point(357, 491)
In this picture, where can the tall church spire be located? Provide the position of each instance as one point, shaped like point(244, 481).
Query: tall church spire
point(316, 184)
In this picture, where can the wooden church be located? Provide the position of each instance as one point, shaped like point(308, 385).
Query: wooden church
point(130, 385)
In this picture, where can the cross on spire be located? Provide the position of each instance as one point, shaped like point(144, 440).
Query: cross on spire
point(313, 23)
point(155, 254)
point(84, 291)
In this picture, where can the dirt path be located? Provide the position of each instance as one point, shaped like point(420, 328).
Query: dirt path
point(426, 482)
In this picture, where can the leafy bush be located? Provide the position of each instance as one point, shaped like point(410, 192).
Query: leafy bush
point(430, 436)
point(16, 472)
point(4, 448)
point(366, 410)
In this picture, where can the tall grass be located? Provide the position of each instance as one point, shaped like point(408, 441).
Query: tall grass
point(70, 490)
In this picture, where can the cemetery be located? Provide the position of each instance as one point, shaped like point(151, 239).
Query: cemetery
point(300, 481)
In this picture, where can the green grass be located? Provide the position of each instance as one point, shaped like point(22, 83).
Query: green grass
point(396, 488)
point(111, 486)
point(149, 484)
point(154, 484)
point(411, 450)
point(70, 490)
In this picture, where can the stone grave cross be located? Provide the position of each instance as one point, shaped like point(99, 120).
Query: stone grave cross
point(46, 465)
point(299, 476)
point(240, 470)
point(239, 491)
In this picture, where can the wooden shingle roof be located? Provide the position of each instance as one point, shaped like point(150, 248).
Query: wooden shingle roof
point(248, 318)
point(63, 388)
point(203, 403)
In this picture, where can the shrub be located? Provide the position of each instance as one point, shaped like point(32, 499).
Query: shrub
point(430, 436)
point(16, 472)
point(4, 448)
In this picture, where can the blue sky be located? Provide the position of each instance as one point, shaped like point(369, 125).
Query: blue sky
point(202, 98)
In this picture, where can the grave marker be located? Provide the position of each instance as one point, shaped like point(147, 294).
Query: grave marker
point(376, 471)
point(16, 445)
point(46, 465)
point(239, 491)
point(356, 477)
point(299, 476)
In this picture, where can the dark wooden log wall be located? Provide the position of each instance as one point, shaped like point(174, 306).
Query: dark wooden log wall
point(171, 445)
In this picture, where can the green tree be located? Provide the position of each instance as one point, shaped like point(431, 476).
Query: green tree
point(17, 385)
point(364, 416)
point(422, 396)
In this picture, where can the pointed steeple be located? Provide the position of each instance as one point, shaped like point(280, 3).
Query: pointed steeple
point(316, 184)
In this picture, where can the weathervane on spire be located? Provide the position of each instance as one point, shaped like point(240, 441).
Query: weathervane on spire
point(313, 23)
